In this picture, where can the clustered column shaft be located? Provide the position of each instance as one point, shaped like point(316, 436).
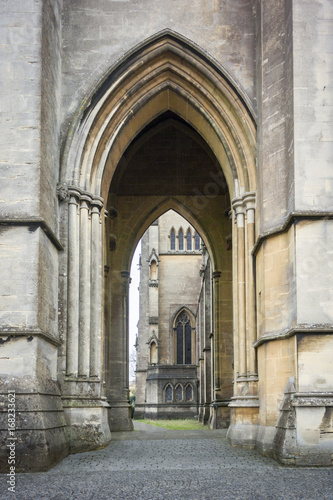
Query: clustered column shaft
point(96, 289)
point(125, 312)
point(244, 208)
point(217, 330)
point(84, 284)
point(73, 285)
point(249, 200)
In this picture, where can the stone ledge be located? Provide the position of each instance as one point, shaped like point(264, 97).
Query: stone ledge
point(312, 399)
point(244, 402)
point(38, 222)
point(93, 380)
point(12, 332)
point(83, 402)
point(299, 329)
point(292, 217)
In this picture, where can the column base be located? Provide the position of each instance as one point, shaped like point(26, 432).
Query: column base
point(204, 413)
point(244, 415)
point(219, 417)
point(87, 424)
point(120, 417)
point(303, 435)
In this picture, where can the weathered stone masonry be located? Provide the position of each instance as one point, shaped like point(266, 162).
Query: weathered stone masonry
point(82, 89)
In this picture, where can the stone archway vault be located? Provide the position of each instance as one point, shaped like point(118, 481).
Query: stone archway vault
point(165, 73)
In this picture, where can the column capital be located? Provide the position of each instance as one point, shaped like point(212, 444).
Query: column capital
point(216, 275)
point(74, 190)
point(86, 198)
point(74, 194)
point(97, 203)
point(238, 206)
point(250, 200)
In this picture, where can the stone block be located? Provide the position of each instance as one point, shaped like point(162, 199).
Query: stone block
point(29, 369)
point(87, 427)
point(314, 261)
point(315, 363)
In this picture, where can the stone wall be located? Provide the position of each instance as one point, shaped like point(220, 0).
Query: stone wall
point(276, 74)
point(30, 100)
point(95, 37)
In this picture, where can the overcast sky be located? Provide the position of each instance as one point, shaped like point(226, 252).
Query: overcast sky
point(134, 297)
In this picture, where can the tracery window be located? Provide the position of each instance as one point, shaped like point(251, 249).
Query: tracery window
point(172, 240)
point(184, 340)
point(197, 241)
point(179, 393)
point(189, 393)
point(168, 394)
point(181, 239)
point(189, 240)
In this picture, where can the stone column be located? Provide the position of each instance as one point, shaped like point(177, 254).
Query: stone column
point(249, 201)
point(86, 410)
point(217, 332)
point(126, 282)
point(240, 217)
point(73, 284)
point(96, 289)
point(84, 306)
point(244, 407)
point(207, 383)
point(235, 297)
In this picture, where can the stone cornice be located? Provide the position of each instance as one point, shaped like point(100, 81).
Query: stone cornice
point(35, 222)
point(292, 217)
point(299, 329)
point(91, 380)
point(83, 402)
point(244, 402)
point(13, 332)
point(312, 399)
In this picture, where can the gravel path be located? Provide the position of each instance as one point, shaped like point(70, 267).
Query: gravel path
point(161, 464)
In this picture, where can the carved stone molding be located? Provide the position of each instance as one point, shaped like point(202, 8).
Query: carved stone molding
point(62, 191)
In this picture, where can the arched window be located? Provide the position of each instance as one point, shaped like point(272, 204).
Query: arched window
point(189, 393)
point(189, 239)
point(153, 353)
point(181, 239)
point(168, 393)
point(179, 393)
point(153, 270)
point(184, 339)
point(172, 240)
point(197, 241)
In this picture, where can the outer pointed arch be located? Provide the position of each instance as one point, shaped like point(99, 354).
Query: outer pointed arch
point(179, 76)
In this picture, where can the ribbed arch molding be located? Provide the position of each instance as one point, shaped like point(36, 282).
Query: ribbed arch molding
point(164, 73)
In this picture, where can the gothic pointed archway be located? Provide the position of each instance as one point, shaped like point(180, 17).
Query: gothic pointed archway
point(166, 81)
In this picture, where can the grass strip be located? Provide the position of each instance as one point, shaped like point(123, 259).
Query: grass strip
point(180, 425)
